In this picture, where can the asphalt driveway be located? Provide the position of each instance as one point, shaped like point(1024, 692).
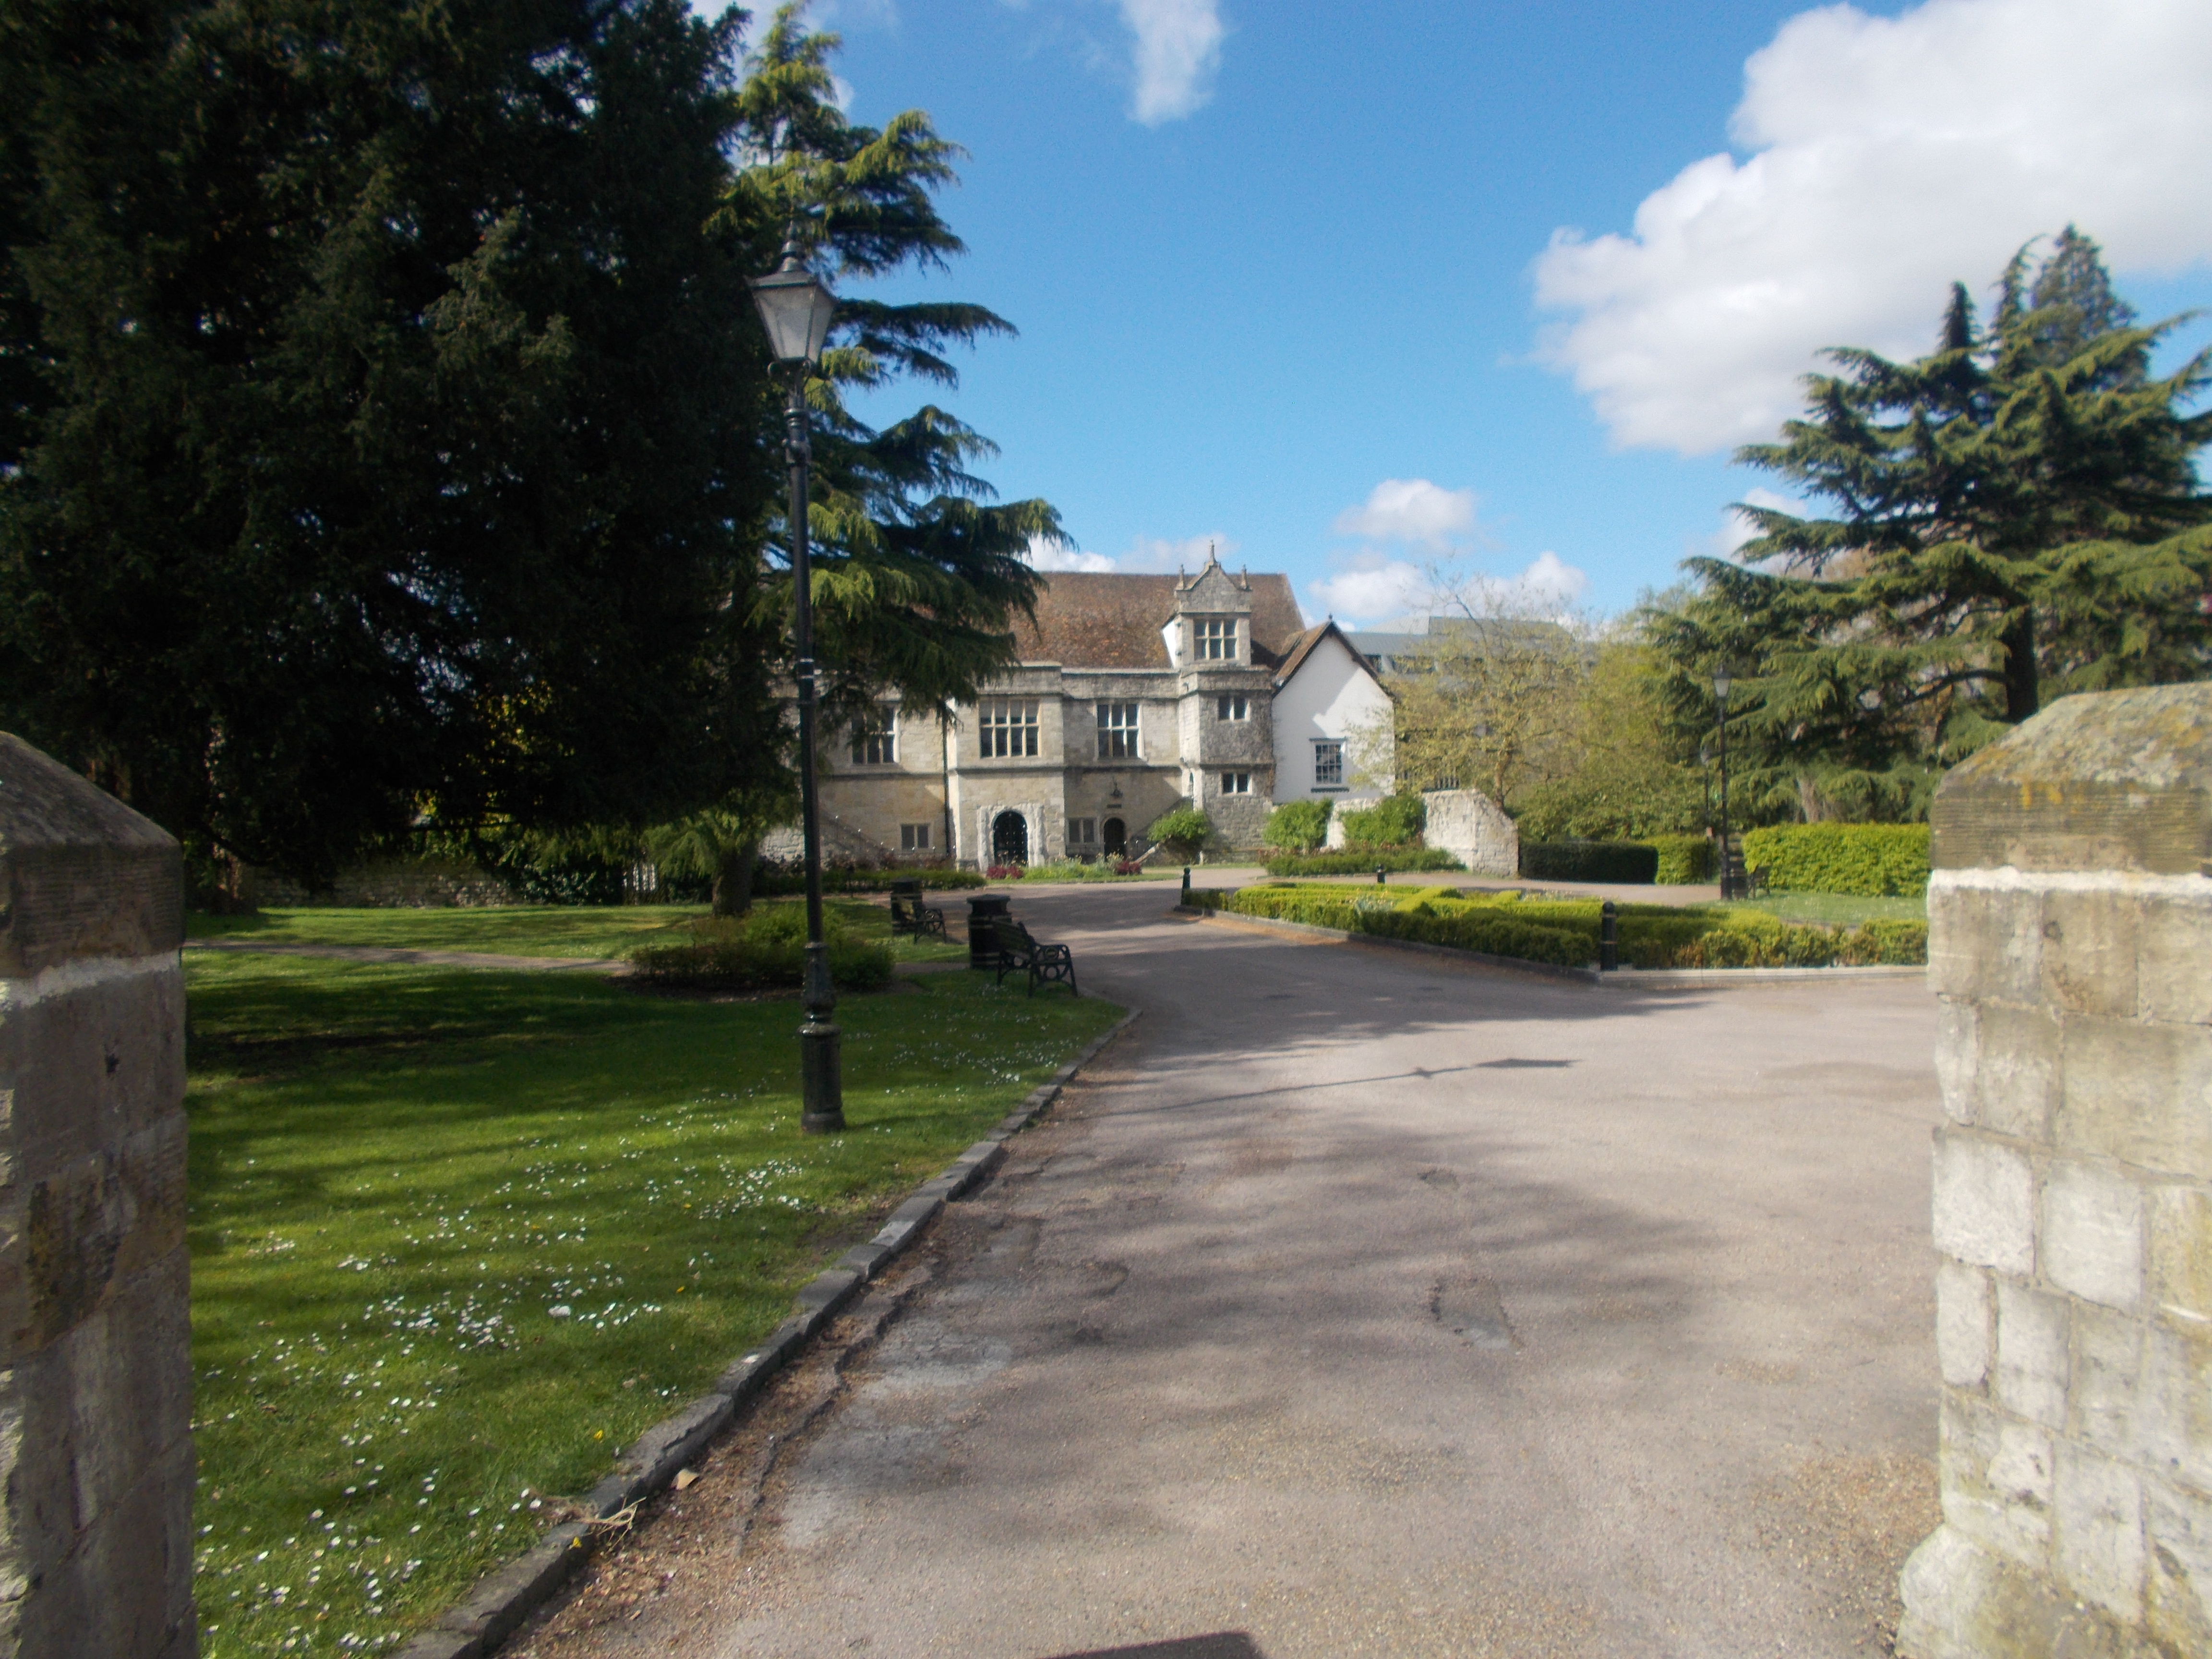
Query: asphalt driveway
point(1353, 1302)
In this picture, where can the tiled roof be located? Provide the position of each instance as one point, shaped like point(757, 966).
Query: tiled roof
point(1111, 621)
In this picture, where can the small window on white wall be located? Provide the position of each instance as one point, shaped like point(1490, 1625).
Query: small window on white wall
point(1328, 764)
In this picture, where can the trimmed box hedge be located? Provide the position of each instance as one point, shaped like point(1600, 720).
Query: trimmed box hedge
point(1871, 861)
point(1630, 862)
point(1564, 932)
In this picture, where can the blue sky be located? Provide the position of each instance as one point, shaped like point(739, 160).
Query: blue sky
point(1352, 289)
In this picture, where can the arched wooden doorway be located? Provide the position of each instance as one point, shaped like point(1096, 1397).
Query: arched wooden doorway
point(1117, 838)
point(1010, 839)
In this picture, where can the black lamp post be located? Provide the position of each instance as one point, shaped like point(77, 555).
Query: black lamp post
point(795, 309)
point(1719, 700)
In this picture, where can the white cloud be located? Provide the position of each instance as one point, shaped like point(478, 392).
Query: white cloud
point(1735, 529)
point(1549, 584)
point(1373, 586)
point(1888, 157)
point(1410, 510)
point(1178, 49)
point(1045, 555)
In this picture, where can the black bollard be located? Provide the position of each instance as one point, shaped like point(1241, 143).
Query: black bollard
point(1608, 938)
point(1185, 883)
point(1378, 875)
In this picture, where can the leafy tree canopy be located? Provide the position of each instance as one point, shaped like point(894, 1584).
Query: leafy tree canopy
point(383, 432)
point(2014, 516)
point(387, 432)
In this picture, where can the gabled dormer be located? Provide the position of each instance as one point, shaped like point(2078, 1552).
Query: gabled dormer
point(1212, 623)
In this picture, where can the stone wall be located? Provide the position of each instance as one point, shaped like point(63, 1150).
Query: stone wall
point(95, 1364)
point(2070, 941)
point(1474, 829)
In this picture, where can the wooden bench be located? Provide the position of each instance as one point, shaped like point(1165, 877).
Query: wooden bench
point(910, 915)
point(1018, 953)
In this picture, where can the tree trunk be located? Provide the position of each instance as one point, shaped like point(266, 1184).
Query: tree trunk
point(733, 880)
point(2023, 690)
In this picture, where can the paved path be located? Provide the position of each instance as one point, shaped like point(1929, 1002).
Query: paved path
point(1356, 1304)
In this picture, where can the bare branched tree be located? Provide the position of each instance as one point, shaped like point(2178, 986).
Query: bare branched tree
point(1490, 700)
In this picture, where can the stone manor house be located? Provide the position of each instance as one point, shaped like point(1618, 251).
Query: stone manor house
point(1133, 694)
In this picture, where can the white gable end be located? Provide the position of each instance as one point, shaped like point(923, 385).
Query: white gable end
point(1331, 698)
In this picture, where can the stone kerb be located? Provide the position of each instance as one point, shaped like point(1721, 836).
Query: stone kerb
point(2070, 941)
point(95, 1375)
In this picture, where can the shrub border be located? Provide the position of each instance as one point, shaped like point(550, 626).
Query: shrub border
point(1620, 979)
point(494, 1606)
point(1421, 947)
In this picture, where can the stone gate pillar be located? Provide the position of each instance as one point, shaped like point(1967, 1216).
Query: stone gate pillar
point(95, 1364)
point(2070, 939)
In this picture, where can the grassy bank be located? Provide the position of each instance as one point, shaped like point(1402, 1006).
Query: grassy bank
point(458, 1236)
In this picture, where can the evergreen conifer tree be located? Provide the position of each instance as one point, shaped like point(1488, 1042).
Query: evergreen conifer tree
point(917, 570)
point(2015, 516)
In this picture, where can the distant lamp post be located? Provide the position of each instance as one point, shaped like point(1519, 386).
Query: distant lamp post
point(1705, 795)
point(795, 309)
point(1720, 701)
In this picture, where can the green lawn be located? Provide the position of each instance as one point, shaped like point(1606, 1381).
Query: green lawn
point(529, 930)
point(1836, 910)
point(400, 1174)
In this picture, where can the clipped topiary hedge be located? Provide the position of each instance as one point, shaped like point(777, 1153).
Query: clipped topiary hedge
point(1621, 861)
point(1872, 861)
point(1494, 930)
point(1361, 861)
point(1683, 859)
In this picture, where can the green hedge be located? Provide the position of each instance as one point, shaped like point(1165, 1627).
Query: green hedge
point(1683, 859)
point(1180, 832)
point(1491, 929)
point(1872, 861)
point(1393, 821)
point(1297, 826)
point(1361, 861)
point(1564, 932)
point(1621, 861)
point(765, 951)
